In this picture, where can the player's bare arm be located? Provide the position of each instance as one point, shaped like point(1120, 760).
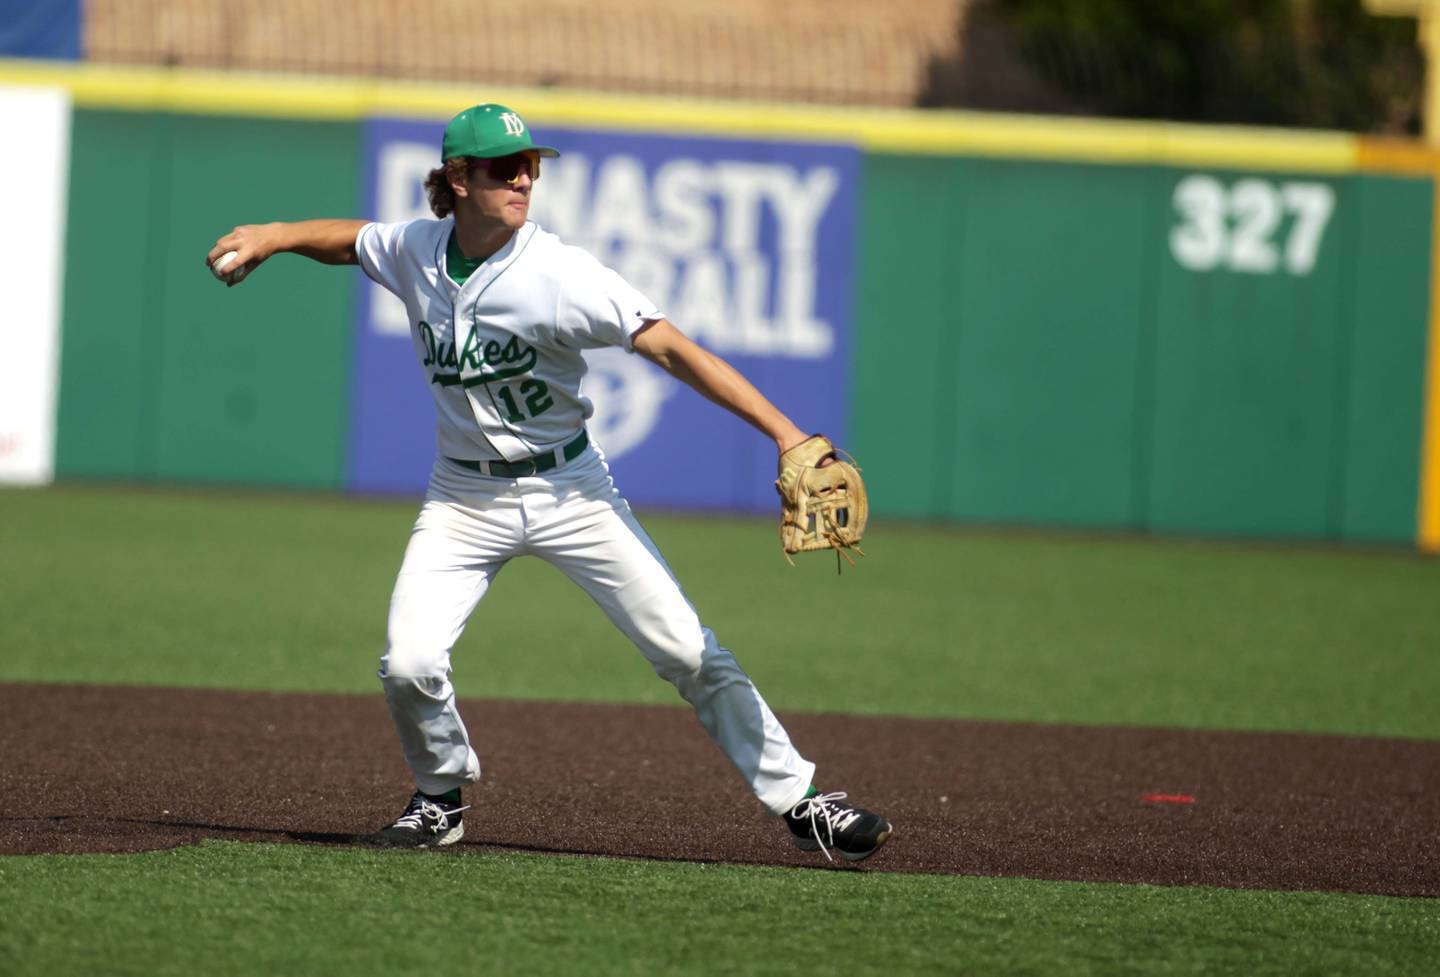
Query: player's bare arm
point(330, 242)
point(714, 379)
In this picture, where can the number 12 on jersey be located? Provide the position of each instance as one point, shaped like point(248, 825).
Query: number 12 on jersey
point(534, 395)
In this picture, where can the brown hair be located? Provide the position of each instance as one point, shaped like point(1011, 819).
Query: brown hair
point(437, 184)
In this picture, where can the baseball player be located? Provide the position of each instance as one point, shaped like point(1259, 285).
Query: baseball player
point(500, 311)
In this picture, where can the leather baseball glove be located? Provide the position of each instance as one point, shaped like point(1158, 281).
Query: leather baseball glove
point(822, 507)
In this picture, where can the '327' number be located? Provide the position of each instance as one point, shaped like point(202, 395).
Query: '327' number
point(536, 397)
point(1235, 226)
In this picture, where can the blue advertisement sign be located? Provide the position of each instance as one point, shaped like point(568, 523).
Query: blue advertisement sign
point(40, 29)
point(746, 245)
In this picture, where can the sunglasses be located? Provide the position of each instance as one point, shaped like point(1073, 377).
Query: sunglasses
point(507, 169)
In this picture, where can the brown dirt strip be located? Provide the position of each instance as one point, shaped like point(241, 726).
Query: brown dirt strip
point(103, 769)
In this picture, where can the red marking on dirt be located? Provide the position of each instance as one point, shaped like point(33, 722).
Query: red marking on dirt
point(1169, 798)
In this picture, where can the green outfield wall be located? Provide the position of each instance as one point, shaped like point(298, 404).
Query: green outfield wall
point(1063, 322)
point(1100, 356)
point(158, 380)
point(1385, 360)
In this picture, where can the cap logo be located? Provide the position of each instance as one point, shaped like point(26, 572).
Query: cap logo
point(513, 125)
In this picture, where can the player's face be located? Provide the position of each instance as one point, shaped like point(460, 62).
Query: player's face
point(499, 189)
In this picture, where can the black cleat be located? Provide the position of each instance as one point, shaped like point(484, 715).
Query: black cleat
point(428, 822)
point(824, 822)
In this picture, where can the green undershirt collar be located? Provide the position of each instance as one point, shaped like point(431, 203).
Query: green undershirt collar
point(457, 266)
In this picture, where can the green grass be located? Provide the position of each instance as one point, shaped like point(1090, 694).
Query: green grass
point(290, 592)
point(223, 908)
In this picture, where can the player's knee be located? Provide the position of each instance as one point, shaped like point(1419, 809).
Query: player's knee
point(702, 668)
point(718, 668)
point(405, 662)
point(674, 643)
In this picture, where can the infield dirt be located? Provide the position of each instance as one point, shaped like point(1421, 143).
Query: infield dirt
point(107, 769)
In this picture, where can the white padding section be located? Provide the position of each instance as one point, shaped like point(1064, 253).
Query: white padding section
point(34, 177)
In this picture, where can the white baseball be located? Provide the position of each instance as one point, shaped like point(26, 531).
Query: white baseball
point(221, 263)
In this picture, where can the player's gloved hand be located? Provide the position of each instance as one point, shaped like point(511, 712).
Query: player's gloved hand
point(823, 504)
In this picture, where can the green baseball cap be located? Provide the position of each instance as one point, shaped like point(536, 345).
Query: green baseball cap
point(486, 131)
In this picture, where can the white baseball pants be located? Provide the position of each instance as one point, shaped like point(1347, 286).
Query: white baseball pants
point(469, 527)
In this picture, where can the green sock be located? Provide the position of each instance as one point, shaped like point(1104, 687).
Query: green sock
point(449, 797)
point(812, 791)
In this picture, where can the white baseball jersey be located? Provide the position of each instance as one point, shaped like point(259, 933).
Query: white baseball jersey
point(501, 352)
point(501, 355)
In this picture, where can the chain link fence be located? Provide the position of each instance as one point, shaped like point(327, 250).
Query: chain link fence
point(827, 51)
